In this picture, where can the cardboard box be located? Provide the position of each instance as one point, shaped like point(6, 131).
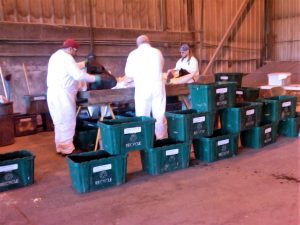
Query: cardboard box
point(280, 79)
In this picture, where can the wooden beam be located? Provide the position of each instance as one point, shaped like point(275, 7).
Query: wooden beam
point(227, 34)
point(268, 40)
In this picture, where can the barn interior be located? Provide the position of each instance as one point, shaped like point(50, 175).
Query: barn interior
point(254, 38)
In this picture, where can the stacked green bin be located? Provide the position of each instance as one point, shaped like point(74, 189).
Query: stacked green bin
point(127, 134)
point(219, 146)
point(290, 127)
point(16, 169)
point(278, 108)
point(231, 77)
point(85, 135)
point(211, 97)
point(165, 156)
point(241, 117)
point(184, 125)
point(248, 94)
point(259, 136)
point(92, 171)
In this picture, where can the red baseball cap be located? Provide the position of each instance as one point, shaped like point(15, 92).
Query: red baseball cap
point(70, 43)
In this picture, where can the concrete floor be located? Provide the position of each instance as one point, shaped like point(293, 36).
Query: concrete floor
point(254, 188)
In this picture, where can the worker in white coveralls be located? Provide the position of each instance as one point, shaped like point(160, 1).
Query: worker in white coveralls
point(144, 65)
point(63, 80)
point(186, 69)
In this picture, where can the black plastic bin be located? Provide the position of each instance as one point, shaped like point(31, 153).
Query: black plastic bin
point(231, 77)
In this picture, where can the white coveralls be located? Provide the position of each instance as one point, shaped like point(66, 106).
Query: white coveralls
point(190, 65)
point(144, 65)
point(63, 81)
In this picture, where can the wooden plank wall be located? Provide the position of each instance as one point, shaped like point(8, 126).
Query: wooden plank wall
point(123, 14)
point(242, 51)
point(31, 30)
point(284, 39)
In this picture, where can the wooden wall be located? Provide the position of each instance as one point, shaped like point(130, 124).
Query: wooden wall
point(284, 33)
point(242, 50)
point(31, 30)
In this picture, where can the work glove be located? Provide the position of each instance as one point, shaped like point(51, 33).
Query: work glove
point(98, 79)
point(103, 81)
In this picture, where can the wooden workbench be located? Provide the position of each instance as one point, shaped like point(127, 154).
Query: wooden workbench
point(125, 94)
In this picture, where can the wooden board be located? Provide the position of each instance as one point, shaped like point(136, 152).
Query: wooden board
point(126, 94)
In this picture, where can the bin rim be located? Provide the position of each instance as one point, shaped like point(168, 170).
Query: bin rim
point(144, 119)
point(282, 97)
point(249, 88)
point(248, 104)
point(229, 73)
point(71, 157)
point(213, 84)
point(27, 154)
point(182, 112)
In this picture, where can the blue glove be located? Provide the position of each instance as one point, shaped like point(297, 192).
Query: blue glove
point(98, 79)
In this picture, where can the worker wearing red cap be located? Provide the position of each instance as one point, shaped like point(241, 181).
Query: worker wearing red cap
point(63, 82)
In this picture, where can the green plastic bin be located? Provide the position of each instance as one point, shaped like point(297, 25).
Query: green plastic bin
point(278, 108)
point(241, 117)
point(127, 134)
point(247, 94)
point(219, 146)
point(166, 155)
point(259, 136)
point(16, 169)
point(96, 170)
point(290, 127)
point(213, 96)
point(184, 125)
point(85, 135)
point(225, 77)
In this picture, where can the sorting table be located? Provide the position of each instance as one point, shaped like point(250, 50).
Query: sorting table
point(106, 97)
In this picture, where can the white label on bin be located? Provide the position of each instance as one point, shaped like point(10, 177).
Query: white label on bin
point(224, 77)
point(25, 120)
point(101, 168)
point(223, 142)
point(172, 152)
point(286, 104)
point(250, 112)
point(199, 119)
point(132, 130)
point(268, 130)
point(8, 168)
point(239, 92)
point(39, 98)
point(221, 90)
